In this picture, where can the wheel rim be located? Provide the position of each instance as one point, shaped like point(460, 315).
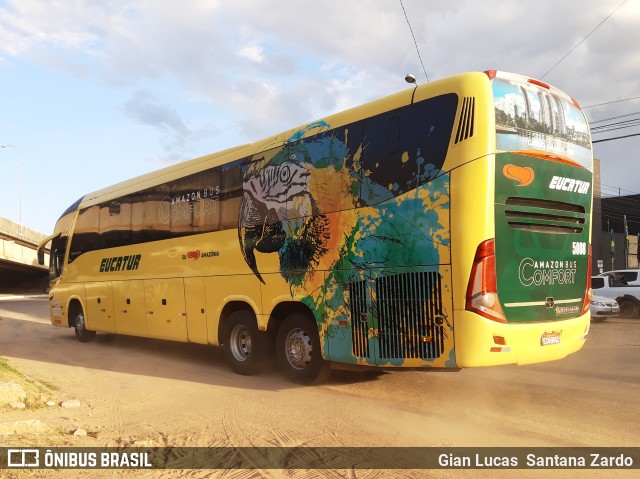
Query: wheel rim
point(80, 323)
point(298, 348)
point(240, 342)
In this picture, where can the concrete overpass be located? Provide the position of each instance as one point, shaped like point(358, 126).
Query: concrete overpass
point(19, 268)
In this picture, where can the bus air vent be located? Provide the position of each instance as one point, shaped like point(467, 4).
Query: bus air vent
point(466, 124)
point(544, 216)
point(407, 312)
point(359, 309)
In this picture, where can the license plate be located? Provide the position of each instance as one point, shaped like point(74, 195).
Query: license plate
point(550, 338)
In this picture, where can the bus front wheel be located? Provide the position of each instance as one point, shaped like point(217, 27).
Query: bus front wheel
point(244, 344)
point(82, 333)
point(298, 350)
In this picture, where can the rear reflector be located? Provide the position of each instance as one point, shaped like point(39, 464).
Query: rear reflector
point(500, 349)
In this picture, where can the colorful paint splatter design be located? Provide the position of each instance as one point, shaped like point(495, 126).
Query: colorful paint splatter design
point(371, 259)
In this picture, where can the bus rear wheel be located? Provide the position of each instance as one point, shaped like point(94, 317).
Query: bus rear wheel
point(298, 352)
point(82, 333)
point(244, 345)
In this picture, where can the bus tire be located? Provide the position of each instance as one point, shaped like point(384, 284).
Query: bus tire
point(244, 345)
point(82, 333)
point(298, 350)
point(628, 309)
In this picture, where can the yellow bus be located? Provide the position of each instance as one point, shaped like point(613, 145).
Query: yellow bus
point(445, 226)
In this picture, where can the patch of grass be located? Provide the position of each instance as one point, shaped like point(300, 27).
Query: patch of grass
point(7, 369)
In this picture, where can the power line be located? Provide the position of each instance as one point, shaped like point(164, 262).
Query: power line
point(615, 138)
point(580, 42)
point(609, 102)
point(614, 127)
point(613, 118)
point(415, 42)
point(617, 188)
point(607, 124)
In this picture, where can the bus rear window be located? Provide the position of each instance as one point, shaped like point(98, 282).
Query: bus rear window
point(529, 117)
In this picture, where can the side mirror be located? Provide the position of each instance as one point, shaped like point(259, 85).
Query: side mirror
point(42, 247)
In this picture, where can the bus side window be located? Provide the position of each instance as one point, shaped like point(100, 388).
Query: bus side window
point(331, 167)
point(406, 147)
point(115, 224)
point(230, 195)
point(206, 209)
point(393, 134)
point(85, 234)
point(150, 214)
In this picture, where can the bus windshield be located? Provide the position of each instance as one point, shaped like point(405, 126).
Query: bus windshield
point(531, 117)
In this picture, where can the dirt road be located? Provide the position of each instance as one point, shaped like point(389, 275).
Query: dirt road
point(154, 393)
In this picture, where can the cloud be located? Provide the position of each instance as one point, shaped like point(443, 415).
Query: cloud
point(253, 53)
point(175, 134)
point(31, 24)
point(265, 67)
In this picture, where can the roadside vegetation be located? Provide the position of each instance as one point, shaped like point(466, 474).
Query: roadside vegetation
point(36, 392)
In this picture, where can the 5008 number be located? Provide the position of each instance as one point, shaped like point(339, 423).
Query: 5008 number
point(579, 248)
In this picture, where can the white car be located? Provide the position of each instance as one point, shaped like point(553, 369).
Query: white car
point(603, 308)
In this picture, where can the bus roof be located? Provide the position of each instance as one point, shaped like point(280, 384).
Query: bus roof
point(456, 83)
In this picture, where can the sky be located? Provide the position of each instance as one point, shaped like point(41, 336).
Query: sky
point(94, 92)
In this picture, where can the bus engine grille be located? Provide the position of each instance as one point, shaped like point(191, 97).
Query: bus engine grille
point(405, 309)
point(544, 216)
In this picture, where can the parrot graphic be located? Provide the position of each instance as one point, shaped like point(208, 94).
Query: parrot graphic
point(283, 204)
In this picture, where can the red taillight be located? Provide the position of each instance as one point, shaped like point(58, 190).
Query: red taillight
point(587, 290)
point(482, 291)
point(576, 103)
point(539, 83)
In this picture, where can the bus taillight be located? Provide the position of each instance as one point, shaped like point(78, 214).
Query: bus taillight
point(482, 291)
point(587, 290)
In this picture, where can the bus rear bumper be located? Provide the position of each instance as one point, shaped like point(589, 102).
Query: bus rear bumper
point(482, 342)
